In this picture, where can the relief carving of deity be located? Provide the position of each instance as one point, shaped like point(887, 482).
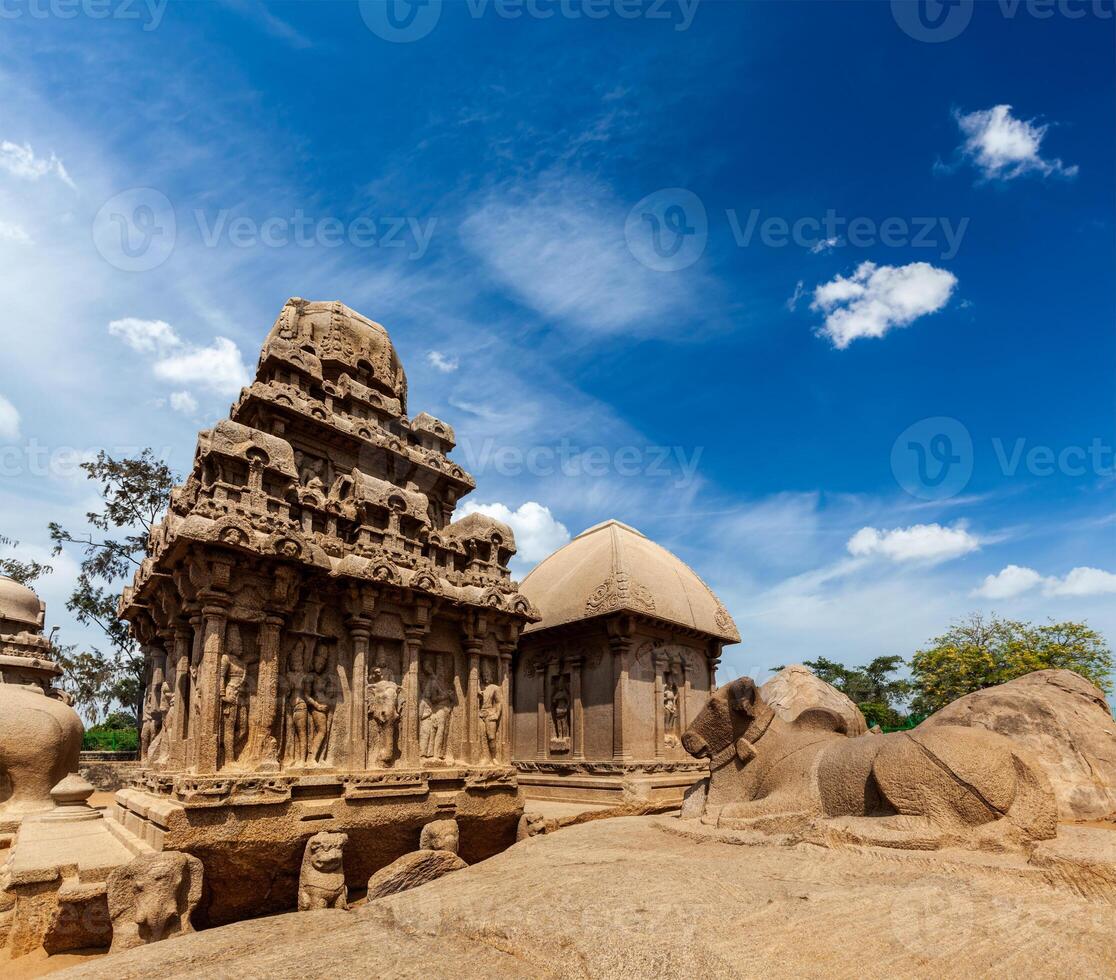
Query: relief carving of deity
point(435, 704)
point(385, 707)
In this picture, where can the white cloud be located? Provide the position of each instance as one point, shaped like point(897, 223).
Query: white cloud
point(876, 299)
point(824, 245)
point(445, 363)
point(11, 232)
point(1009, 582)
point(146, 336)
point(799, 289)
point(9, 419)
point(20, 161)
point(537, 533)
point(184, 402)
point(1082, 581)
point(930, 543)
point(218, 368)
point(1002, 147)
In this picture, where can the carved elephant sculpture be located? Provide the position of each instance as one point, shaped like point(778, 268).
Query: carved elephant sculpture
point(924, 788)
point(40, 739)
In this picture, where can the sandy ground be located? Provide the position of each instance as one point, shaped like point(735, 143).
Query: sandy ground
point(655, 896)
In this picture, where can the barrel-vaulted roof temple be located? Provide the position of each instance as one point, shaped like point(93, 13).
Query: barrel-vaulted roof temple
point(328, 649)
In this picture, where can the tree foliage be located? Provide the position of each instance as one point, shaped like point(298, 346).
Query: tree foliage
point(980, 652)
point(24, 572)
point(135, 492)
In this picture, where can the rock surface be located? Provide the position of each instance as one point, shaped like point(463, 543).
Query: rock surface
point(153, 897)
point(1066, 724)
point(795, 689)
point(412, 870)
point(642, 896)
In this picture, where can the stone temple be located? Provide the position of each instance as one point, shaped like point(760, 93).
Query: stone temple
point(326, 647)
point(607, 680)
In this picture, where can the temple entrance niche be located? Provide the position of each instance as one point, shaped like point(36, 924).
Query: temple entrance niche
point(561, 701)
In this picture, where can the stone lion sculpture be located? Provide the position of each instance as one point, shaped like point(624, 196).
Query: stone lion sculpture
point(925, 788)
point(152, 898)
point(321, 882)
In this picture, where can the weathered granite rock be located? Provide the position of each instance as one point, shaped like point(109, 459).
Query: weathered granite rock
point(693, 803)
point(153, 897)
point(412, 870)
point(1067, 725)
point(321, 884)
point(942, 786)
point(795, 689)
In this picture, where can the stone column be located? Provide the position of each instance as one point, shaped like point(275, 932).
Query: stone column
point(506, 651)
point(192, 722)
point(360, 631)
point(267, 698)
point(183, 637)
point(620, 645)
point(577, 711)
point(683, 709)
point(473, 648)
point(208, 736)
point(542, 675)
point(658, 664)
point(409, 740)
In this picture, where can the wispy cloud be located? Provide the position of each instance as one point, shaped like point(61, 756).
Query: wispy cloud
point(20, 161)
point(217, 367)
point(445, 363)
point(930, 543)
point(9, 419)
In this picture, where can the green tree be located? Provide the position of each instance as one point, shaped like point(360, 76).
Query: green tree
point(135, 492)
point(980, 652)
point(24, 572)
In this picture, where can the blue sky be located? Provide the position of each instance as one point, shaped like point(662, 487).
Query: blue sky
point(817, 295)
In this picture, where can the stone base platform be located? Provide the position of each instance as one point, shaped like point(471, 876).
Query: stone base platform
point(249, 831)
point(609, 783)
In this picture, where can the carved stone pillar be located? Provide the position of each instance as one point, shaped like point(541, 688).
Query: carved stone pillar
point(360, 630)
point(542, 674)
point(180, 713)
point(577, 711)
point(193, 724)
point(473, 648)
point(659, 665)
point(683, 710)
point(620, 646)
point(267, 699)
point(208, 736)
point(506, 651)
point(409, 735)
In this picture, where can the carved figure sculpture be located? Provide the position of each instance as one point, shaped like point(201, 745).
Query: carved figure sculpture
point(163, 716)
point(234, 694)
point(434, 713)
point(298, 719)
point(533, 824)
point(153, 897)
point(319, 702)
point(440, 835)
point(385, 707)
point(491, 710)
point(924, 788)
point(560, 707)
point(321, 883)
point(670, 708)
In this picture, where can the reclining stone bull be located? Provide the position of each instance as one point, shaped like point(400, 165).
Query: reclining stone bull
point(921, 789)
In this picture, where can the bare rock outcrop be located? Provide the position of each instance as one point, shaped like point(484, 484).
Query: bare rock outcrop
point(412, 870)
point(1066, 724)
point(795, 689)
